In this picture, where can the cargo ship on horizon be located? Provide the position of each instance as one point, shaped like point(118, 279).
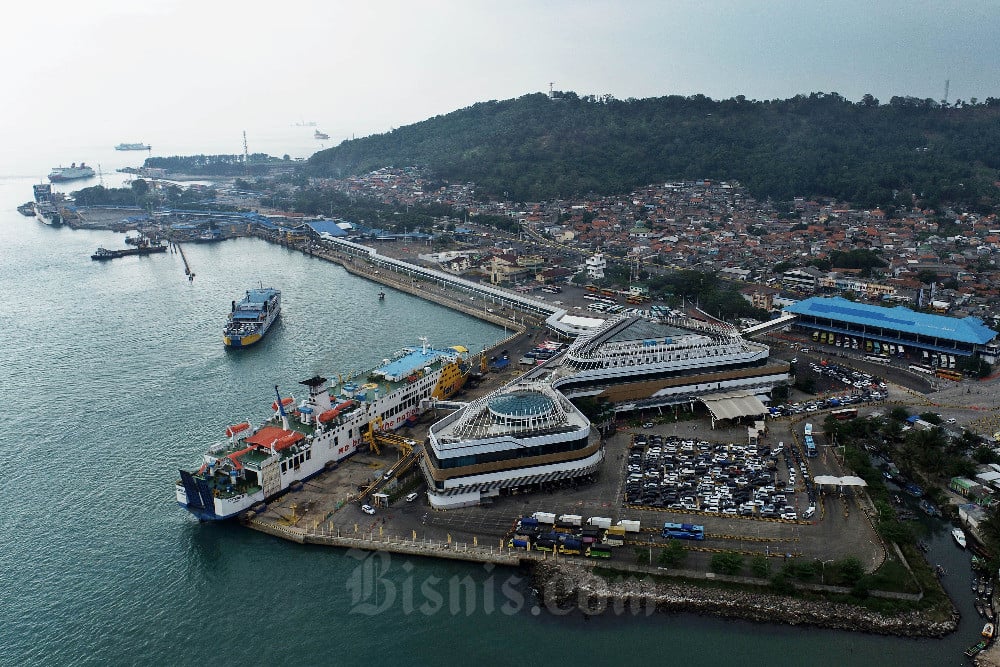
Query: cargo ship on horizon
point(301, 440)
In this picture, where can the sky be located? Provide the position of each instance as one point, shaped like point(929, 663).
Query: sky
point(129, 71)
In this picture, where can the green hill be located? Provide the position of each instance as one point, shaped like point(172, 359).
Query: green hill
point(821, 144)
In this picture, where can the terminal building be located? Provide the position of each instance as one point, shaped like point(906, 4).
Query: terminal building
point(522, 436)
point(936, 340)
point(529, 433)
point(638, 363)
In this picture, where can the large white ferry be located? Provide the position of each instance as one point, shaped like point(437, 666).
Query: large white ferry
point(301, 439)
point(70, 173)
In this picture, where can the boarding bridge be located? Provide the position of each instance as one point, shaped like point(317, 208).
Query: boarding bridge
point(771, 325)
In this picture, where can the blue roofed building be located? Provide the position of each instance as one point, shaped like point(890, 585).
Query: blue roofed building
point(327, 227)
point(885, 330)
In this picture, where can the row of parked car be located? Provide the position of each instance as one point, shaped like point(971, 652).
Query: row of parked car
point(717, 478)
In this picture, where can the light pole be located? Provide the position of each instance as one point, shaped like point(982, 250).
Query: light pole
point(823, 572)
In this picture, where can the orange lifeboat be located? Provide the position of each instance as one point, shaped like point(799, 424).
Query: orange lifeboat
point(236, 428)
point(285, 402)
point(331, 414)
point(287, 441)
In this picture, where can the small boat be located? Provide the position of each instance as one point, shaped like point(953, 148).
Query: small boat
point(979, 608)
point(939, 570)
point(923, 546)
point(320, 135)
point(959, 536)
point(27, 209)
point(988, 609)
point(929, 508)
point(988, 630)
point(975, 649)
point(381, 296)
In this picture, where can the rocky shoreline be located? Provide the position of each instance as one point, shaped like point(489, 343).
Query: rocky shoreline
point(566, 588)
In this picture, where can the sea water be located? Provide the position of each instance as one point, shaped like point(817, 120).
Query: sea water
point(114, 375)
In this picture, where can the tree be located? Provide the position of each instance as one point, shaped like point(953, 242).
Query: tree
point(140, 187)
point(850, 570)
point(673, 554)
point(726, 563)
point(760, 566)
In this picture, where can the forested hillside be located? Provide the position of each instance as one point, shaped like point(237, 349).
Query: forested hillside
point(864, 152)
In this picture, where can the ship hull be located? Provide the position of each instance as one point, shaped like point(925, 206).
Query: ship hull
point(317, 448)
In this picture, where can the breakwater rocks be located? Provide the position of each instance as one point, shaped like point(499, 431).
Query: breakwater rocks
point(567, 588)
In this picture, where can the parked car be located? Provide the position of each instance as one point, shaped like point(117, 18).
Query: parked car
point(368, 509)
point(410, 497)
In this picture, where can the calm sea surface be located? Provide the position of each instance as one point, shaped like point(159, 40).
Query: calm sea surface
point(114, 375)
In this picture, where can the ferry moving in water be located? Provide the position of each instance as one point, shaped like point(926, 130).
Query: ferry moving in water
point(299, 441)
point(251, 317)
point(133, 147)
point(70, 173)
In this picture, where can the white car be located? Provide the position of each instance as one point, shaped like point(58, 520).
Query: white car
point(368, 509)
point(648, 425)
point(410, 497)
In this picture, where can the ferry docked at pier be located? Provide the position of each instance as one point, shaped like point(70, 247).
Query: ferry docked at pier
point(302, 439)
point(251, 317)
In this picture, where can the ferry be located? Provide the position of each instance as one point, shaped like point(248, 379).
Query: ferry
point(133, 147)
point(959, 536)
point(70, 173)
point(251, 317)
point(302, 439)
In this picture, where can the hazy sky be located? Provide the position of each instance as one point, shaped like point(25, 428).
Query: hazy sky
point(160, 66)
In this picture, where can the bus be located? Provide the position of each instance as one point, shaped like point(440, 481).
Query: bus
point(810, 446)
point(948, 374)
point(921, 368)
point(683, 531)
point(877, 360)
point(808, 429)
point(844, 413)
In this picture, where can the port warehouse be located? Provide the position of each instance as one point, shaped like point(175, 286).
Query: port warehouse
point(915, 332)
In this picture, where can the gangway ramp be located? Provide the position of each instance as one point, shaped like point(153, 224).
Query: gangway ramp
point(771, 325)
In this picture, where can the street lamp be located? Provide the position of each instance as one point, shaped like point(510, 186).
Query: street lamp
point(823, 573)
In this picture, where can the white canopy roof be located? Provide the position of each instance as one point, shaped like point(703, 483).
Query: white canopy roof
point(733, 404)
point(849, 480)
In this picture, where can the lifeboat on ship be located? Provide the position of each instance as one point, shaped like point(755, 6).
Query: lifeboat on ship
point(286, 441)
point(285, 402)
point(237, 428)
point(332, 413)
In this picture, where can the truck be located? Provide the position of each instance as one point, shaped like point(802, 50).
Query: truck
point(544, 517)
point(573, 519)
point(630, 526)
point(599, 522)
point(615, 536)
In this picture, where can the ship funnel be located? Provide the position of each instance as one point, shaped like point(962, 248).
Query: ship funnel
point(234, 305)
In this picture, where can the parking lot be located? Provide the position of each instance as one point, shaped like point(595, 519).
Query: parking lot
point(718, 478)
